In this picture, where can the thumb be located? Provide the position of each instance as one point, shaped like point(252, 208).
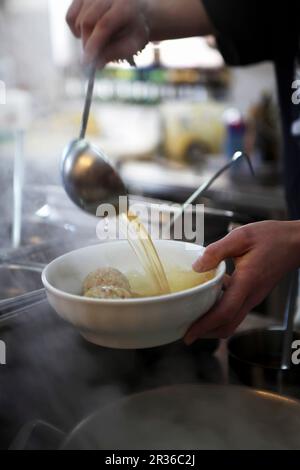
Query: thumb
point(233, 245)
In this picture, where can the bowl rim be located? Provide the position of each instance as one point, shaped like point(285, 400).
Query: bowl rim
point(132, 301)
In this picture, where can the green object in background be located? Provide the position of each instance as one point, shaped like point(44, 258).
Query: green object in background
point(158, 75)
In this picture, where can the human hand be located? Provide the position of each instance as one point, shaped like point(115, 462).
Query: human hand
point(262, 254)
point(109, 29)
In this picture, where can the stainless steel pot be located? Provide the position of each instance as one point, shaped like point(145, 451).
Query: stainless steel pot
point(255, 360)
point(183, 418)
point(17, 279)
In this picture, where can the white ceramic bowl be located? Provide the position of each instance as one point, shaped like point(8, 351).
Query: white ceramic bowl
point(131, 323)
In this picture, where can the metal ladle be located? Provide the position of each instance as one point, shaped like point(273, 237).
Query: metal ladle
point(207, 184)
point(88, 176)
point(90, 179)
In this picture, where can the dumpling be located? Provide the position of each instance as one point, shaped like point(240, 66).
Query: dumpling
point(107, 292)
point(106, 277)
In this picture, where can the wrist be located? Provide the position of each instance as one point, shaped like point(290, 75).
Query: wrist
point(171, 19)
point(151, 10)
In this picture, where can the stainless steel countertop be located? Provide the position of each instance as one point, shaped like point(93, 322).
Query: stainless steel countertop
point(55, 376)
point(164, 179)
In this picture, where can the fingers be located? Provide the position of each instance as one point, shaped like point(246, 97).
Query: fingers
point(225, 311)
point(89, 17)
point(258, 268)
point(72, 16)
point(226, 331)
point(233, 245)
point(109, 30)
point(127, 45)
point(108, 25)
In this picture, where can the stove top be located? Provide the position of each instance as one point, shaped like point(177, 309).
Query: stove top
point(53, 375)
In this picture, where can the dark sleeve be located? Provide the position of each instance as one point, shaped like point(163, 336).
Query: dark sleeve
point(250, 31)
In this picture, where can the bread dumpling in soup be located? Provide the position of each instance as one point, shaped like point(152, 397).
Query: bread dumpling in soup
point(106, 277)
point(107, 292)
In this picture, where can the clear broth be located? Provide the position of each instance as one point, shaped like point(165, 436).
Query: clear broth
point(156, 280)
point(179, 279)
point(144, 248)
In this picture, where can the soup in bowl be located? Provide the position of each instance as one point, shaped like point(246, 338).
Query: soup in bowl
point(145, 318)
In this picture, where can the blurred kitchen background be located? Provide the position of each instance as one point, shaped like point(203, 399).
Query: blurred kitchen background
point(168, 124)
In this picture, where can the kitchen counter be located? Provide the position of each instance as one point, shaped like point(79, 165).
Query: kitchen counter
point(174, 182)
point(53, 375)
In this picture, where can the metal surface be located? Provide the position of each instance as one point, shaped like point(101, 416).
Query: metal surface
point(255, 359)
point(17, 280)
point(88, 101)
point(37, 233)
point(88, 177)
point(207, 184)
point(54, 375)
point(193, 417)
point(34, 234)
point(161, 179)
point(262, 357)
point(12, 307)
point(217, 223)
point(37, 433)
point(38, 384)
point(42, 254)
point(290, 313)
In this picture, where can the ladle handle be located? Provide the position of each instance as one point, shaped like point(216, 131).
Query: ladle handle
point(207, 184)
point(89, 96)
point(88, 100)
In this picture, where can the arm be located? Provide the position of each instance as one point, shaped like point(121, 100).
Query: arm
point(263, 253)
point(118, 29)
point(171, 19)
